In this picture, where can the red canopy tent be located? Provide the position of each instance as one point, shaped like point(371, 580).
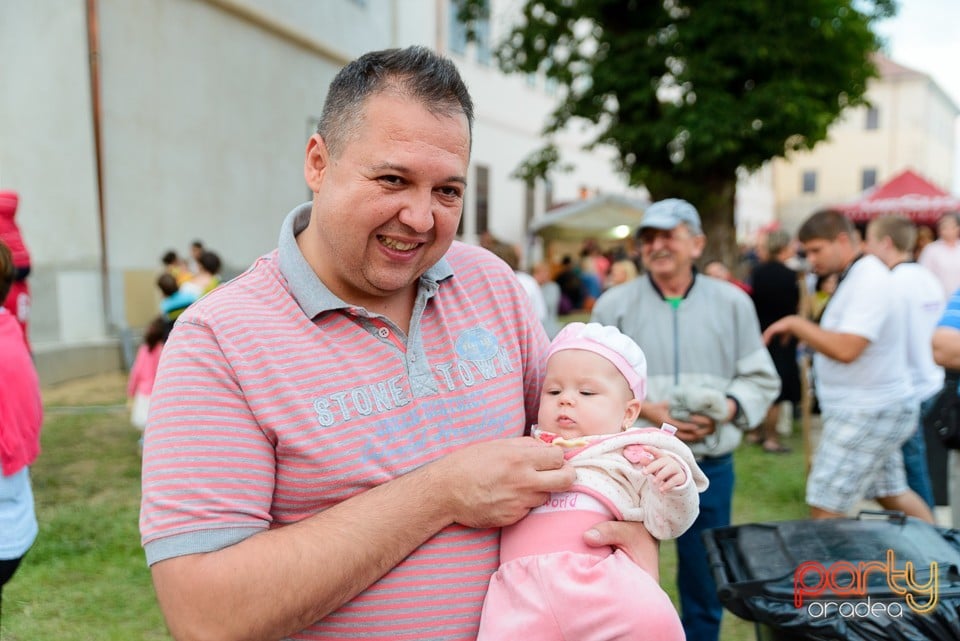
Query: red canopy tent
point(908, 194)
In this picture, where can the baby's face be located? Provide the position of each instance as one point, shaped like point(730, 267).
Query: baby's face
point(584, 394)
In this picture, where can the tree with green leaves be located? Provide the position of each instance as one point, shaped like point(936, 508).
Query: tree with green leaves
point(688, 91)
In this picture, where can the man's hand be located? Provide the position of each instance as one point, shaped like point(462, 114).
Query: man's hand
point(840, 346)
point(633, 538)
point(495, 483)
point(692, 428)
point(783, 326)
point(268, 586)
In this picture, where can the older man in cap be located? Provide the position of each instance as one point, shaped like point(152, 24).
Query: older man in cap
point(710, 375)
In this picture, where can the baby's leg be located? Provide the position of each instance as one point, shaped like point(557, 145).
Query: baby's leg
point(612, 600)
point(515, 606)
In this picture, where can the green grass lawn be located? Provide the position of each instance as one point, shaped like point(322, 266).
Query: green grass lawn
point(769, 487)
point(85, 578)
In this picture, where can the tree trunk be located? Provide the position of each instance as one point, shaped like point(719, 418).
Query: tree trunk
point(716, 214)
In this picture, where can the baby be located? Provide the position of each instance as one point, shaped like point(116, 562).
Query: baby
point(550, 584)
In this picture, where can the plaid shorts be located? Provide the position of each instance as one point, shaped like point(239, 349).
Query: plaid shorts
point(859, 456)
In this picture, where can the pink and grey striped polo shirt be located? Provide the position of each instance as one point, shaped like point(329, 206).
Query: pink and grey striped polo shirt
point(276, 400)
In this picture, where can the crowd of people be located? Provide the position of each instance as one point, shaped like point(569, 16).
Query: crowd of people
point(379, 430)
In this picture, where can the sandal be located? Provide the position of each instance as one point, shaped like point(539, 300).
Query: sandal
point(776, 448)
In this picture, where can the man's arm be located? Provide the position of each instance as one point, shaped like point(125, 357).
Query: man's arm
point(839, 346)
point(278, 582)
point(946, 347)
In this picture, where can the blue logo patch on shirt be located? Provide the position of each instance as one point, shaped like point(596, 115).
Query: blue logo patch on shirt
point(477, 345)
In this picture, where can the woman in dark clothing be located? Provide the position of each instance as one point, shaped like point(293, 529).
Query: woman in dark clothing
point(776, 293)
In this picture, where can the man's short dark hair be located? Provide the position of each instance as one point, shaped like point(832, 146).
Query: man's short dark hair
point(826, 224)
point(416, 72)
point(169, 257)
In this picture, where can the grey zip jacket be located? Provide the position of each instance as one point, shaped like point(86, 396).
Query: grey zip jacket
point(709, 338)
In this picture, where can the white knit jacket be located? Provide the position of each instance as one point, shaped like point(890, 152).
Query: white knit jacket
point(605, 471)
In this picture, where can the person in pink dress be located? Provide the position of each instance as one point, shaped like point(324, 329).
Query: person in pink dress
point(21, 417)
point(144, 370)
point(550, 585)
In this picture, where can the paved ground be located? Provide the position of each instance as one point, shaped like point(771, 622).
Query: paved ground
point(103, 389)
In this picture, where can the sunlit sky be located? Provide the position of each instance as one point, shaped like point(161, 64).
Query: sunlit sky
point(925, 35)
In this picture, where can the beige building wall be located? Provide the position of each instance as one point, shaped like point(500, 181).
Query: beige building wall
point(914, 129)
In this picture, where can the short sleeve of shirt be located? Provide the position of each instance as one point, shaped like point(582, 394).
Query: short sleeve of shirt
point(860, 308)
point(951, 315)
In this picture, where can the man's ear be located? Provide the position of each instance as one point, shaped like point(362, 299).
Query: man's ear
point(631, 413)
point(315, 162)
point(850, 240)
point(699, 244)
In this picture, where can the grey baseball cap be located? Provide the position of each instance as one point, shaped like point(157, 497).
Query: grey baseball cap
point(668, 213)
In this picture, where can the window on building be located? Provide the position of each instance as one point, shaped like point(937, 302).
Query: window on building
point(873, 118)
point(482, 194)
point(481, 33)
point(484, 54)
point(868, 179)
point(457, 36)
point(809, 182)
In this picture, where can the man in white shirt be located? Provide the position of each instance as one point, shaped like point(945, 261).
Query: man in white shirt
point(863, 384)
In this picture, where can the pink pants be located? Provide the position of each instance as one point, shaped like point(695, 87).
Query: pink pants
point(571, 596)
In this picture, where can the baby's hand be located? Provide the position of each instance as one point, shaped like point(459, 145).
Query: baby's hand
point(665, 471)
